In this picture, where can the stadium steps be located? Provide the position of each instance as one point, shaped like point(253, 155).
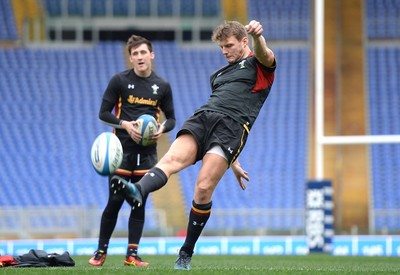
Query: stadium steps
point(235, 10)
point(355, 158)
point(344, 111)
point(32, 11)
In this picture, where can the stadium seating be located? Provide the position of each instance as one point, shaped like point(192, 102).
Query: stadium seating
point(62, 111)
point(120, 8)
point(8, 30)
point(64, 89)
point(53, 8)
point(284, 19)
point(384, 99)
point(98, 8)
point(54, 95)
point(383, 19)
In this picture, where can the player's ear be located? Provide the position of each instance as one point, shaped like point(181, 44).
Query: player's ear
point(245, 41)
point(130, 58)
point(152, 55)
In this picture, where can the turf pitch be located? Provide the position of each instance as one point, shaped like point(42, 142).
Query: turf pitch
point(229, 264)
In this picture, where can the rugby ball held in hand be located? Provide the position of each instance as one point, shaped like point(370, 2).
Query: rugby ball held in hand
point(106, 153)
point(147, 126)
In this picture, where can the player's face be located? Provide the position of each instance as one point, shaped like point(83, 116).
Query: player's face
point(233, 49)
point(141, 59)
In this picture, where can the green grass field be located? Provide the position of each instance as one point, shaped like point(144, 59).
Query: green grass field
point(310, 264)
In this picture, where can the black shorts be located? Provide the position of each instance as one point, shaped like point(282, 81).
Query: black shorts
point(213, 128)
point(137, 164)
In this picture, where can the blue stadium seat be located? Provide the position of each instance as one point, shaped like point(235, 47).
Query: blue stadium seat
point(53, 8)
point(75, 8)
point(165, 7)
point(382, 19)
point(211, 8)
point(187, 8)
point(8, 30)
point(143, 8)
point(285, 19)
point(98, 8)
point(120, 8)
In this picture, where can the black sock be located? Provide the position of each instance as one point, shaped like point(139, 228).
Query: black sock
point(198, 218)
point(132, 249)
point(103, 245)
point(152, 181)
point(107, 226)
point(135, 230)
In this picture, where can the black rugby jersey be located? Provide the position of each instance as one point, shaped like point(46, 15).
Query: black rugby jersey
point(132, 96)
point(239, 90)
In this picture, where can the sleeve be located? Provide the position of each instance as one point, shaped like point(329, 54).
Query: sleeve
point(112, 92)
point(110, 99)
point(167, 104)
point(106, 116)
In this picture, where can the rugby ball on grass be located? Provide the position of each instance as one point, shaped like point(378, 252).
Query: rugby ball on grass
point(147, 126)
point(106, 153)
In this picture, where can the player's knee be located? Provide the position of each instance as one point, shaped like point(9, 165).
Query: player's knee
point(203, 191)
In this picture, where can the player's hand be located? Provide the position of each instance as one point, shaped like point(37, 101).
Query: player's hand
point(159, 132)
point(240, 174)
point(254, 28)
point(131, 128)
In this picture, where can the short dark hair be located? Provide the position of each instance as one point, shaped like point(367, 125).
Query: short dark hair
point(228, 29)
point(135, 40)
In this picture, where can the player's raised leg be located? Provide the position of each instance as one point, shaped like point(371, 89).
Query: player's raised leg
point(180, 155)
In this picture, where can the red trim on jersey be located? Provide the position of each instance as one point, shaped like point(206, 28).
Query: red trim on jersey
point(158, 114)
point(117, 111)
point(264, 79)
point(117, 108)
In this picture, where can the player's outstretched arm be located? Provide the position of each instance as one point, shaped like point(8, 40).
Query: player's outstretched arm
point(261, 51)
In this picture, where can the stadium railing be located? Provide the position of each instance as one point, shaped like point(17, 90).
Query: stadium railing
point(83, 222)
point(68, 222)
